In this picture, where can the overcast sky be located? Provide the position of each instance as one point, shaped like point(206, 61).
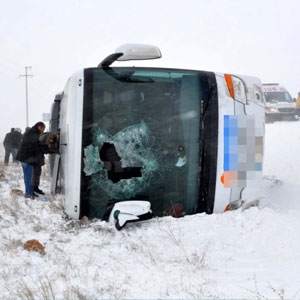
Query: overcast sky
point(56, 38)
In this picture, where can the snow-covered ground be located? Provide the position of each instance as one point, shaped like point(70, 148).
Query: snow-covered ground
point(250, 254)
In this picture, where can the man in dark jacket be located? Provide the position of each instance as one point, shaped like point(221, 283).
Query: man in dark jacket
point(7, 143)
point(30, 154)
point(16, 137)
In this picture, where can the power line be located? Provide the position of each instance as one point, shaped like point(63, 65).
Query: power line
point(26, 75)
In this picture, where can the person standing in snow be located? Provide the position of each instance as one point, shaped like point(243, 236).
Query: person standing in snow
point(30, 154)
point(7, 143)
point(16, 137)
point(47, 139)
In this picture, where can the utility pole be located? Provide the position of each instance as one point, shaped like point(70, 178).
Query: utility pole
point(26, 75)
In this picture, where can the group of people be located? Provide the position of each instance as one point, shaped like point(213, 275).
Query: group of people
point(11, 144)
point(31, 150)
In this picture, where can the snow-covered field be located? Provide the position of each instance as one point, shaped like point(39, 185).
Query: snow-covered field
point(251, 254)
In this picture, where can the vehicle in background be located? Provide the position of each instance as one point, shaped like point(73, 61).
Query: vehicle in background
point(297, 101)
point(186, 141)
point(279, 103)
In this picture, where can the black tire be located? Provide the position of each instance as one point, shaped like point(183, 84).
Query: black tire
point(268, 119)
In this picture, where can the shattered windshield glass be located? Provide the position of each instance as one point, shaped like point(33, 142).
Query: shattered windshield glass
point(141, 139)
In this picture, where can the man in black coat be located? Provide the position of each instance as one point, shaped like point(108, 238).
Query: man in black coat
point(7, 143)
point(31, 154)
point(16, 137)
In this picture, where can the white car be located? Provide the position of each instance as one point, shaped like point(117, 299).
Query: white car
point(279, 103)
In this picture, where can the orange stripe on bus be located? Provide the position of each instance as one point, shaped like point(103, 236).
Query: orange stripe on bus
point(229, 84)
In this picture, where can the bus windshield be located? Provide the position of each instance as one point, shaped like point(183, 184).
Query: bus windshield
point(143, 138)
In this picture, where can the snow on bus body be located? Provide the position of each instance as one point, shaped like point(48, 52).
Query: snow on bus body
point(241, 147)
point(184, 141)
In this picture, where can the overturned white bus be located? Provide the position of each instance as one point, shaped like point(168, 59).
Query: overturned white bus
point(185, 141)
